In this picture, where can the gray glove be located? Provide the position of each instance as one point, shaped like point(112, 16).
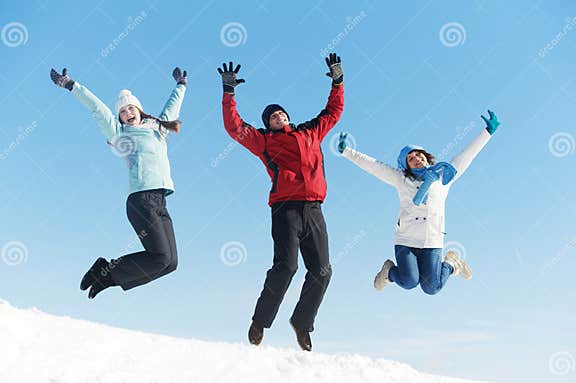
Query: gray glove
point(335, 66)
point(179, 76)
point(229, 80)
point(62, 80)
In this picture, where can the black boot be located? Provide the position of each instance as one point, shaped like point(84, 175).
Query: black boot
point(100, 284)
point(256, 333)
point(303, 338)
point(94, 273)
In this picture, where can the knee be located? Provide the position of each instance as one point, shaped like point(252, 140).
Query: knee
point(325, 273)
point(408, 281)
point(164, 259)
point(285, 268)
point(430, 289)
point(174, 263)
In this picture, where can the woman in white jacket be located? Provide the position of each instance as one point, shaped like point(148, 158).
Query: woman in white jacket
point(422, 188)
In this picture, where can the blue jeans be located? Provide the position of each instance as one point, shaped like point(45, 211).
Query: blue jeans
point(420, 266)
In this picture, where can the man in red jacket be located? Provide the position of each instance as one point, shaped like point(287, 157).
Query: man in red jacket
point(293, 158)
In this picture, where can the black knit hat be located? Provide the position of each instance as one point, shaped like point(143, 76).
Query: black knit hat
point(268, 112)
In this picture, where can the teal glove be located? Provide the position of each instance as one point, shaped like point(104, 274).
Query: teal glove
point(342, 142)
point(491, 124)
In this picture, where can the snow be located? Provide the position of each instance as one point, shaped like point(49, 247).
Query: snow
point(40, 348)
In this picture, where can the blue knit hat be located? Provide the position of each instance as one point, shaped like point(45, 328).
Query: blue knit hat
point(268, 112)
point(402, 164)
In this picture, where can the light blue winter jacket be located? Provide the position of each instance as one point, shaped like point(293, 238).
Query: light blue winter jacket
point(144, 146)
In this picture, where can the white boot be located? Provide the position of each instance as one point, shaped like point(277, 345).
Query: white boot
point(381, 279)
point(458, 264)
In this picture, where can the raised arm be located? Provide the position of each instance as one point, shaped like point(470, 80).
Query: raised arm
point(107, 122)
point(378, 169)
point(463, 160)
point(331, 113)
point(171, 110)
point(242, 132)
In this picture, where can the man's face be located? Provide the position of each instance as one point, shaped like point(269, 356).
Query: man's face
point(278, 120)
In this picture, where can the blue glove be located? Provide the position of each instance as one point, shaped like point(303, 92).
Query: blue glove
point(342, 142)
point(491, 124)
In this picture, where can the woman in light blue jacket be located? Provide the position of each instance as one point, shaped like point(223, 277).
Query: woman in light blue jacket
point(141, 140)
point(422, 188)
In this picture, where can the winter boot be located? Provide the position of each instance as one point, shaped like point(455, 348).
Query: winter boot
point(303, 338)
point(458, 264)
point(100, 284)
point(381, 279)
point(94, 273)
point(255, 333)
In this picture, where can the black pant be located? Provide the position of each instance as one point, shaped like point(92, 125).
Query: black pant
point(296, 224)
point(148, 215)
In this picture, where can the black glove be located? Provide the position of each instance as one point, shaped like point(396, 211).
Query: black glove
point(229, 80)
point(335, 66)
point(179, 76)
point(62, 80)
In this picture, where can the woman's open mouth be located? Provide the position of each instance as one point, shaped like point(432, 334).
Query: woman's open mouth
point(131, 120)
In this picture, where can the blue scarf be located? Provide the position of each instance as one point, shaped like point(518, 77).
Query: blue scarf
point(429, 175)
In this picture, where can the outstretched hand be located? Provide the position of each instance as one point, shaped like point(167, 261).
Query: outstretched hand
point(179, 76)
point(492, 122)
point(335, 65)
point(229, 80)
point(61, 80)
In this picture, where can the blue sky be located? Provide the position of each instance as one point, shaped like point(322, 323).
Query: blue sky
point(63, 191)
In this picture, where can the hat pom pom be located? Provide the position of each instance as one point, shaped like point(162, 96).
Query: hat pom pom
point(125, 93)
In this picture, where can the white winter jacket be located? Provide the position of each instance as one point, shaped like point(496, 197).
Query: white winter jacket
point(419, 226)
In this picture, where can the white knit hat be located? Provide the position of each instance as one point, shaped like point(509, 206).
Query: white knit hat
point(125, 97)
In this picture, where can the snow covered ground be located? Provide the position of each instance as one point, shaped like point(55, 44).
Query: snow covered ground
point(40, 348)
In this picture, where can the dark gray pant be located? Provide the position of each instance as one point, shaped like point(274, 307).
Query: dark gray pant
point(148, 215)
point(296, 225)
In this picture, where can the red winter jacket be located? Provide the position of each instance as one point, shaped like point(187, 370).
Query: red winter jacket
point(292, 156)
